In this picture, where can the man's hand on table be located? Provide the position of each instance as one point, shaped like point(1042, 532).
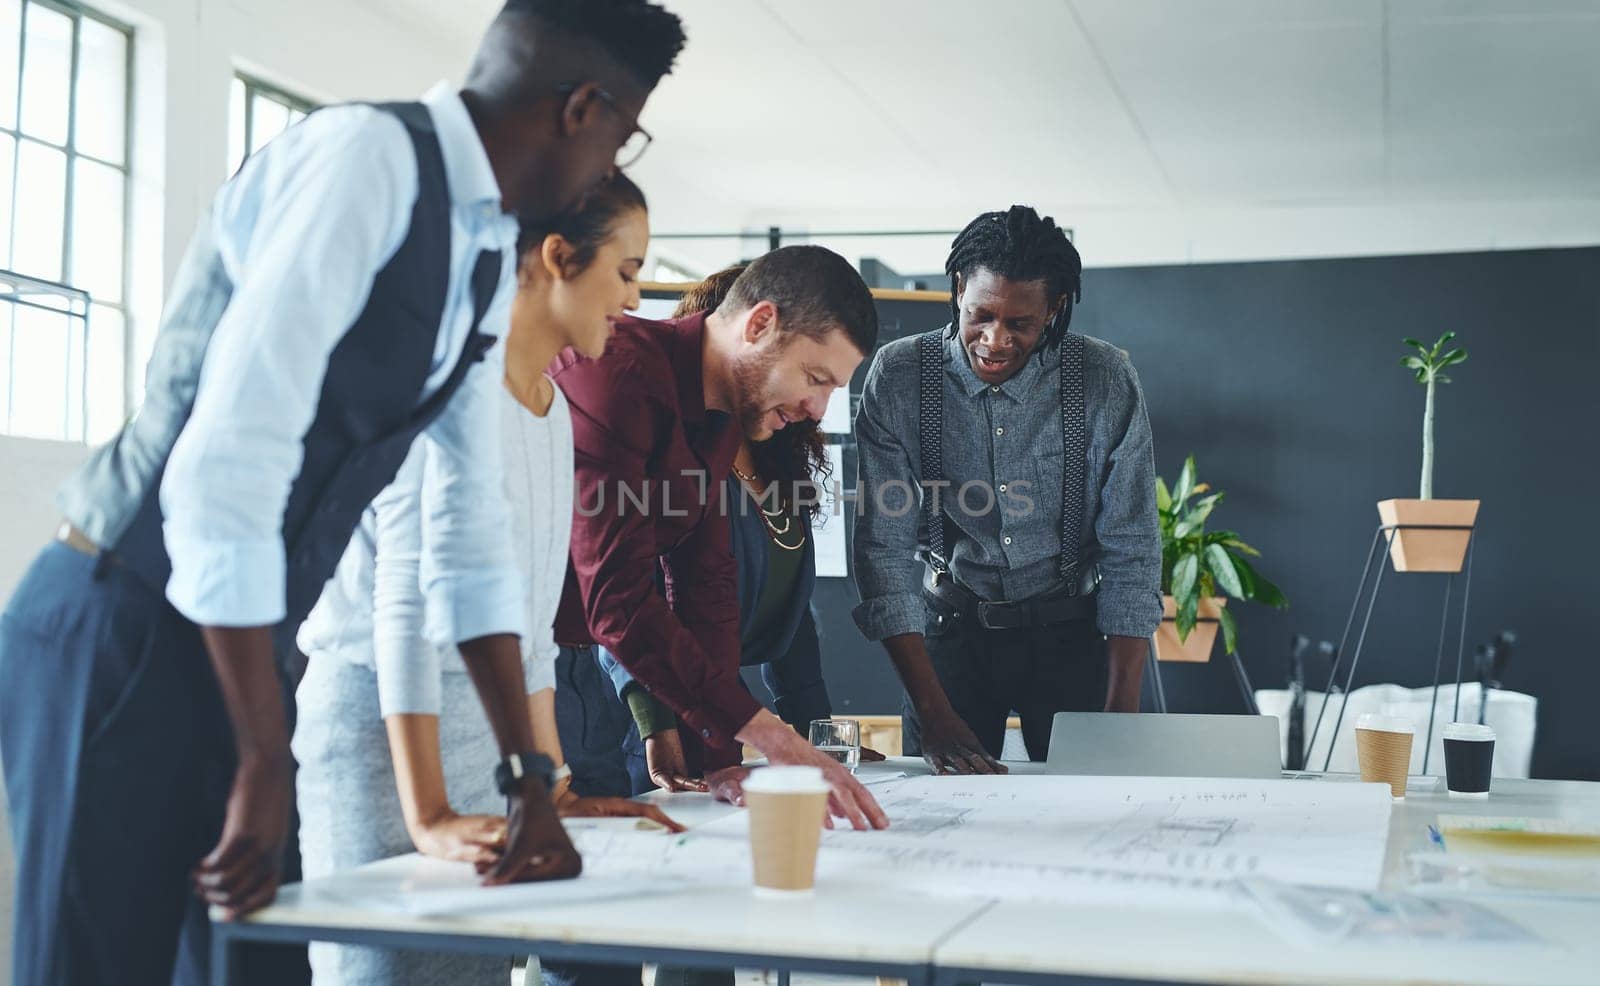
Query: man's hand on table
point(727, 784)
point(783, 746)
point(869, 755)
point(537, 847)
point(950, 747)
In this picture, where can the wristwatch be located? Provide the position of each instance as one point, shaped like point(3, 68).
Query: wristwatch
point(508, 776)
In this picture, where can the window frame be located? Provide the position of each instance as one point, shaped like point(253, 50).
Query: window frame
point(77, 13)
point(256, 86)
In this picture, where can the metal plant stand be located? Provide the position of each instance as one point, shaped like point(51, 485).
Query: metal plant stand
point(1242, 679)
point(1387, 534)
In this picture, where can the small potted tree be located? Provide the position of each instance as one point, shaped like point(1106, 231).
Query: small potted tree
point(1411, 549)
point(1200, 569)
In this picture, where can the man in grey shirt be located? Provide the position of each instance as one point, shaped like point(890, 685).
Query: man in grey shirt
point(1007, 549)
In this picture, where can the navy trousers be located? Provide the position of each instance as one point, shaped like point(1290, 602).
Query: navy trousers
point(593, 725)
point(118, 761)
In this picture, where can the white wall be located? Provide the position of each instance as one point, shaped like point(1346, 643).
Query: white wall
point(30, 471)
point(185, 54)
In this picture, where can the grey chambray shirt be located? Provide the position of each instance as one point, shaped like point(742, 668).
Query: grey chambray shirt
point(1005, 439)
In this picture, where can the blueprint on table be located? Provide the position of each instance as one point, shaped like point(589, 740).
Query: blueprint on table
point(1118, 839)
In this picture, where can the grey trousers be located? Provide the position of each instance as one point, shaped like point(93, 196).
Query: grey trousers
point(350, 812)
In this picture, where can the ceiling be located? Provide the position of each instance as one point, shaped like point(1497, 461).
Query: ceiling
point(1345, 125)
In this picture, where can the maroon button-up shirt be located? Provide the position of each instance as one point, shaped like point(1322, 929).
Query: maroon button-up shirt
point(650, 461)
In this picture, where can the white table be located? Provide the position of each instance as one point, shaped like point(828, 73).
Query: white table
point(1020, 942)
point(865, 929)
point(872, 929)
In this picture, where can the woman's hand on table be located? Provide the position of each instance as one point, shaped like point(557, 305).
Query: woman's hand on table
point(462, 838)
point(663, 757)
point(570, 805)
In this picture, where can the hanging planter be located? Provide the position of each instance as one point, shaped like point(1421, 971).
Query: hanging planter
point(1418, 550)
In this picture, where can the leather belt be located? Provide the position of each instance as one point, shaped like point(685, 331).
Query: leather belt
point(77, 540)
point(955, 602)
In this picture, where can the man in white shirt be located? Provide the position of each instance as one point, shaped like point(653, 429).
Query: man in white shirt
point(327, 313)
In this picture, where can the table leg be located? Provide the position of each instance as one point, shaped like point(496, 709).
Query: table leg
point(222, 952)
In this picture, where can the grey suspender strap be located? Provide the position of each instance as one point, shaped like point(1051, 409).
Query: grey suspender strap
point(1074, 443)
point(1075, 460)
point(930, 431)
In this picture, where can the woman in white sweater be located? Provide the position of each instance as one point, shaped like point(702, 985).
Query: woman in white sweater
point(394, 749)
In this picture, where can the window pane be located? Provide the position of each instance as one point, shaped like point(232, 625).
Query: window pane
point(10, 36)
point(268, 119)
point(235, 125)
point(77, 341)
point(46, 74)
point(8, 163)
point(7, 311)
point(100, 127)
point(41, 210)
point(40, 389)
point(97, 233)
point(107, 408)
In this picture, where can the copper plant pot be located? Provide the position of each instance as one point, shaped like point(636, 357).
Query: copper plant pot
point(1423, 550)
point(1197, 649)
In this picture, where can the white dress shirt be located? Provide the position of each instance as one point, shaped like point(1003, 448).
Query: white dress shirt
point(303, 230)
point(372, 612)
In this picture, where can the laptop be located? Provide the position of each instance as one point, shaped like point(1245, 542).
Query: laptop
point(1149, 744)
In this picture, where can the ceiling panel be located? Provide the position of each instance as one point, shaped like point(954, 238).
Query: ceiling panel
point(1251, 108)
point(875, 113)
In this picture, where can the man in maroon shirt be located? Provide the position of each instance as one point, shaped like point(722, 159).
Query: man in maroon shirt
point(656, 422)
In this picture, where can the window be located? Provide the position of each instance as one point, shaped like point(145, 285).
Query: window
point(64, 149)
point(257, 113)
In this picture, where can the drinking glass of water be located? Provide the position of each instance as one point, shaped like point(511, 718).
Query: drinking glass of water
point(839, 739)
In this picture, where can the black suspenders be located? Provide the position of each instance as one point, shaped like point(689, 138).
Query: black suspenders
point(1074, 442)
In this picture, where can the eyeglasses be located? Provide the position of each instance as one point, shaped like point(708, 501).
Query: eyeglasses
point(638, 140)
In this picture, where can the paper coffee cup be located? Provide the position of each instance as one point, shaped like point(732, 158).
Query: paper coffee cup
point(787, 807)
point(1383, 747)
point(1468, 759)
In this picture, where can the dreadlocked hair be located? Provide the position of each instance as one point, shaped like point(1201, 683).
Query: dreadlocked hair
point(643, 37)
point(1019, 245)
point(796, 457)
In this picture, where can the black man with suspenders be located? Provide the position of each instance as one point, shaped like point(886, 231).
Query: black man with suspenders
point(1007, 549)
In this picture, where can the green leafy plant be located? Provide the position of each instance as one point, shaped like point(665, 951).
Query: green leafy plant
point(1429, 364)
point(1198, 564)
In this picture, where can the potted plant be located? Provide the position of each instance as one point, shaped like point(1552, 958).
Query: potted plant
point(1414, 550)
point(1200, 569)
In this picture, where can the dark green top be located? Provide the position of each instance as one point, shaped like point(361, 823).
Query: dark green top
point(784, 556)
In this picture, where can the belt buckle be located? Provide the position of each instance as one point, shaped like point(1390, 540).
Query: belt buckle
point(985, 609)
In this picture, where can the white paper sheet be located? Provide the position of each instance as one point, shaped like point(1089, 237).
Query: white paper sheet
point(828, 529)
point(1125, 840)
point(836, 417)
point(1110, 840)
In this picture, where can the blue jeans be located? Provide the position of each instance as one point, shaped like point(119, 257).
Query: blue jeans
point(118, 760)
point(593, 725)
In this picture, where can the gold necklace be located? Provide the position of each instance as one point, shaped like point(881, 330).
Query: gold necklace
point(752, 484)
point(777, 535)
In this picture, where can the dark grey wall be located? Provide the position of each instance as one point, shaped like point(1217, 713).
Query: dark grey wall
point(1283, 379)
